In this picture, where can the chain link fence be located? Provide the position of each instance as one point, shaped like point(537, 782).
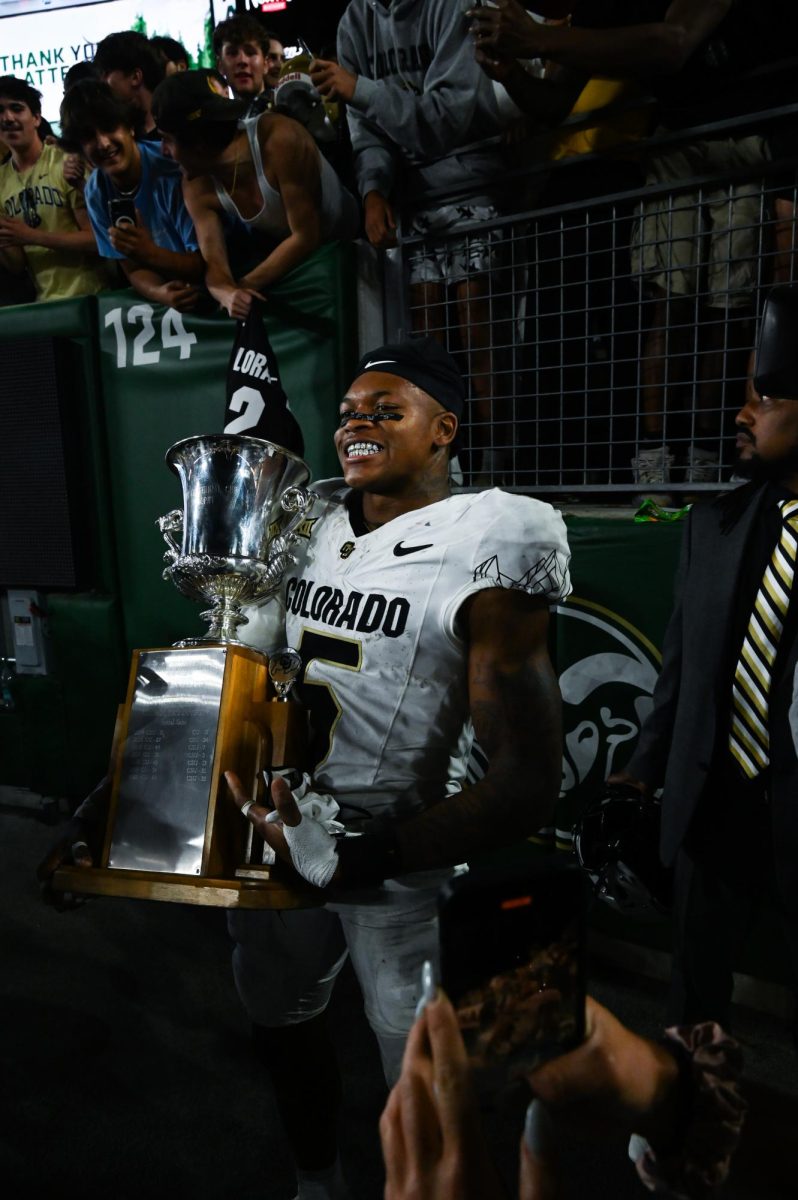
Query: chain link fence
point(606, 340)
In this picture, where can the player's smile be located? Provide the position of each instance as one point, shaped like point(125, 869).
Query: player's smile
point(369, 417)
point(361, 449)
point(357, 449)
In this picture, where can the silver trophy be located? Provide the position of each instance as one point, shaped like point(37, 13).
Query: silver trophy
point(243, 500)
point(204, 707)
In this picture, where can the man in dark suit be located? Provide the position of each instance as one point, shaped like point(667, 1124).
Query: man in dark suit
point(722, 738)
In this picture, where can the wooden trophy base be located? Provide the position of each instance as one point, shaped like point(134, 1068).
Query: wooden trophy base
point(174, 832)
point(186, 889)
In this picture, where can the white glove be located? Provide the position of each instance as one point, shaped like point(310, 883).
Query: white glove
point(312, 850)
point(310, 843)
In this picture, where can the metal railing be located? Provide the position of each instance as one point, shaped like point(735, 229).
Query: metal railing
point(606, 346)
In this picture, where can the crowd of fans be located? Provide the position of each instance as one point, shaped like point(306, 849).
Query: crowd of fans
point(196, 189)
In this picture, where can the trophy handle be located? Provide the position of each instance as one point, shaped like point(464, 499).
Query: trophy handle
point(299, 501)
point(171, 522)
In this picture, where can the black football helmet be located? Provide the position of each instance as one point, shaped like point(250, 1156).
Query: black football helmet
point(616, 840)
point(776, 369)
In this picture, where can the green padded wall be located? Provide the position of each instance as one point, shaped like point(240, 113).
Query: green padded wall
point(606, 645)
point(128, 409)
point(57, 738)
point(74, 323)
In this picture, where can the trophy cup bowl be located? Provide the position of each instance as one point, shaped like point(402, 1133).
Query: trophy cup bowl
point(243, 498)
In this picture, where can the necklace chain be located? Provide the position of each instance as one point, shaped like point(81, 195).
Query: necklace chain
point(232, 189)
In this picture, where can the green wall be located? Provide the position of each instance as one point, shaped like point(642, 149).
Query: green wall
point(140, 379)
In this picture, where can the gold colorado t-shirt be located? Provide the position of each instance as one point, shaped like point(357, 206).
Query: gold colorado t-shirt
point(43, 199)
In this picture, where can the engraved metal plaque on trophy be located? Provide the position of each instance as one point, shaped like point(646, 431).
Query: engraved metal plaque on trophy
point(208, 704)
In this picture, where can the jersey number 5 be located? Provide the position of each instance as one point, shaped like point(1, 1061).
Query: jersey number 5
point(325, 712)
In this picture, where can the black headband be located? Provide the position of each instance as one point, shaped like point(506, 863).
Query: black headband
point(424, 362)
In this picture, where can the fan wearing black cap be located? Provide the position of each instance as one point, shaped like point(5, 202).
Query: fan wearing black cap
point(722, 737)
point(264, 172)
point(421, 619)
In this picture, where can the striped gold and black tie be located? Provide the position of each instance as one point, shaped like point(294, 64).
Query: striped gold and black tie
point(749, 738)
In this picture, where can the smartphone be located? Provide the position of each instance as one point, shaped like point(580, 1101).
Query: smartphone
point(512, 962)
point(122, 211)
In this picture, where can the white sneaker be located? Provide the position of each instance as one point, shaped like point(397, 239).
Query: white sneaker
point(652, 468)
point(702, 466)
point(653, 465)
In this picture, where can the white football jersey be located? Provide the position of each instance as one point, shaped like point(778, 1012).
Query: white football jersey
point(374, 619)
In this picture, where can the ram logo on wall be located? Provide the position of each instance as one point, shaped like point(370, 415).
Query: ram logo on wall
point(607, 670)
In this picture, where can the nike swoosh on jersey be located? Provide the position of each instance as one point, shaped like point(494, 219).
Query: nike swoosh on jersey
point(400, 550)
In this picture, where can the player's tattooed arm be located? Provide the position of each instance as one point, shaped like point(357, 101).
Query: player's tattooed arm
point(516, 710)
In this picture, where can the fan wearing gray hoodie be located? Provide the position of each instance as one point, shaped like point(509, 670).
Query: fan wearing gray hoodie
point(425, 121)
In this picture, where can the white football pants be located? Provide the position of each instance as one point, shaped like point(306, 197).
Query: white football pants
point(285, 962)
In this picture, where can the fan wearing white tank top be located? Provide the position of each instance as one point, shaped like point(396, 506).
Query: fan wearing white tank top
point(266, 173)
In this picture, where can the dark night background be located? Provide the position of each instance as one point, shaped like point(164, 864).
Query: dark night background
point(316, 21)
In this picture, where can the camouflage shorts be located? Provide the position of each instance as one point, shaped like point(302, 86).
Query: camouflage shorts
point(443, 259)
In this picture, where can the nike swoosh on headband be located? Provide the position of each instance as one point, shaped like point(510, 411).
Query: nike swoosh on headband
point(379, 362)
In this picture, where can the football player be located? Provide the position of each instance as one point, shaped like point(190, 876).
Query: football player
point(422, 621)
